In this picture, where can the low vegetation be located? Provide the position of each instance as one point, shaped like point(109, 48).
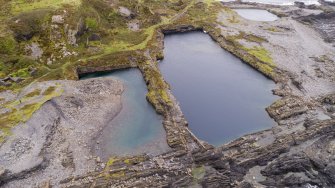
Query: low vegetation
point(103, 36)
point(20, 110)
point(20, 6)
point(34, 93)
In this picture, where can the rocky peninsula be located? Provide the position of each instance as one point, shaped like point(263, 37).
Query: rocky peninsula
point(49, 118)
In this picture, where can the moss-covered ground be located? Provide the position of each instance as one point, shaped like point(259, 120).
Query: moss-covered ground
point(20, 110)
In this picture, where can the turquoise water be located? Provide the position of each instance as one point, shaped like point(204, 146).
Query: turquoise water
point(137, 128)
point(221, 97)
point(256, 15)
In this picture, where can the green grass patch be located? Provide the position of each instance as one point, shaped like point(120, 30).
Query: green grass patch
point(91, 23)
point(49, 90)
point(23, 73)
point(34, 93)
point(264, 62)
point(7, 45)
point(261, 54)
point(20, 6)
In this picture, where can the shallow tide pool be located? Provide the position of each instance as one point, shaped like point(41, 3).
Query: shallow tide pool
point(256, 15)
point(137, 129)
point(221, 97)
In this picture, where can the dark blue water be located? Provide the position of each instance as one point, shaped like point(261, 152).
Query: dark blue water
point(137, 128)
point(222, 98)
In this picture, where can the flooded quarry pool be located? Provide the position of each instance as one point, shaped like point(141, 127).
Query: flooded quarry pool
point(256, 15)
point(221, 97)
point(137, 128)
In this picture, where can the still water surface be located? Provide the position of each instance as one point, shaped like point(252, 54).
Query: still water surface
point(221, 97)
point(137, 128)
point(256, 15)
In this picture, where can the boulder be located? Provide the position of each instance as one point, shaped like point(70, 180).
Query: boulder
point(299, 4)
point(3, 83)
point(16, 79)
point(125, 12)
point(57, 19)
point(94, 37)
point(32, 71)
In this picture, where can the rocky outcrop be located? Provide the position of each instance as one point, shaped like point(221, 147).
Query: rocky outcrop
point(287, 163)
point(328, 104)
point(7, 81)
point(86, 70)
point(34, 51)
point(324, 23)
point(55, 142)
point(57, 19)
point(287, 107)
point(180, 29)
point(312, 165)
point(126, 12)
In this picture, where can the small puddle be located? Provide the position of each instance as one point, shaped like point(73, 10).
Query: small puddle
point(221, 97)
point(137, 129)
point(256, 15)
